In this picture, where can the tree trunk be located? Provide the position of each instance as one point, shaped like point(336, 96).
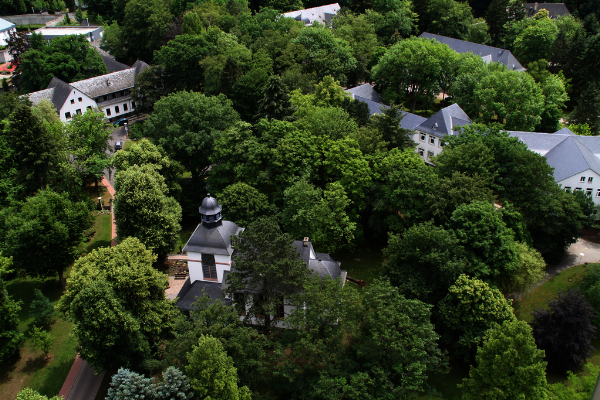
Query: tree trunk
point(414, 101)
point(61, 278)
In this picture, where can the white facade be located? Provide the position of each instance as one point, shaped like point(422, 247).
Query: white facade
point(428, 145)
point(587, 181)
point(76, 103)
point(4, 36)
point(222, 262)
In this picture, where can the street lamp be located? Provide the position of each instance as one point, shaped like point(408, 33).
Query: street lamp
point(100, 202)
point(580, 255)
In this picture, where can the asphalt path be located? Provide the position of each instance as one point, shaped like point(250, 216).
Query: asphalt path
point(118, 135)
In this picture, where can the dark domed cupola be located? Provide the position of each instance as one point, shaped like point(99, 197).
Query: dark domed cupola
point(210, 211)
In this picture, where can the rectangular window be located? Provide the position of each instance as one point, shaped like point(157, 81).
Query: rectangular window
point(105, 98)
point(430, 155)
point(124, 107)
point(422, 137)
point(114, 96)
point(578, 189)
point(568, 189)
point(132, 104)
point(108, 112)
point(598, 193)
point(68, 115)
point(432, 140)
point(589, 191)
point(240, 303)
point(280, 309)
point(590, 179)
point(116, 109)
point(88, 108)
point(209, 267)
point(78, 111)
point(421, 152)
point(80, 99)
point(72, 101)
point(582, 179)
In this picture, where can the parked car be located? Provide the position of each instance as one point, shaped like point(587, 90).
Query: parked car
point(120, 122)
point(118, 146)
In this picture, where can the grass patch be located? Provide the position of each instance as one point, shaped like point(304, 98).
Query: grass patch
point(365, 262)
point(188, 226)
point(31, 369)
point(103, 233)
point(538, 297)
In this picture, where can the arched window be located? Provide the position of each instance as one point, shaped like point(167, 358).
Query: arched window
point(209, 267)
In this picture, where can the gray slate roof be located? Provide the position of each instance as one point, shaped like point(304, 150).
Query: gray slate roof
point(320, 14)
point(320, 263)
point(109, 83)
point(111, 64)
point(445, 122)
point(189, 292)
point(366, 91)
point(502, 56)
point(570, 157)
point(60, 92)
point(555, 10)
point(541, 143)
point(213, 241)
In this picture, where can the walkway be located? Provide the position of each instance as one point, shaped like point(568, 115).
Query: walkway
point(81, 383)
point(111, 190)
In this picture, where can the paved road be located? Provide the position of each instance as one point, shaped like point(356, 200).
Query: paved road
point(86, 385)
point(118, 135)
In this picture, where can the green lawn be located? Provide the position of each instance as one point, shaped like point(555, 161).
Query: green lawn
point(365, 262)
point(31, 369)
point(103, 233)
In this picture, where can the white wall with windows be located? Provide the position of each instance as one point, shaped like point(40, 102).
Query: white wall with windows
point(587, 181)
point(77, 103)
point(428, 146)
point(208, 267)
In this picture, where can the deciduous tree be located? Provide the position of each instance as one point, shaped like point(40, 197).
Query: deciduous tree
point(30, 229)
point(116, 300)
point(469, 310)
point(211, 372)
point(565, 330)
point(10, 334)
point(268, 269)
point(509, 366)
point(243, 204)
point(143, 210)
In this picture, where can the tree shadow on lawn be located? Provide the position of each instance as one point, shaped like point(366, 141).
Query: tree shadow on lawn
point(55, 375)
point(35, 364)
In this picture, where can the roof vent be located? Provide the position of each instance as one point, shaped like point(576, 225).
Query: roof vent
point(306, 241)
point(108, 82)
point(435, 126)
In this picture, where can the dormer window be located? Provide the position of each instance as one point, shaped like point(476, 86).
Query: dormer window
point(435, 126)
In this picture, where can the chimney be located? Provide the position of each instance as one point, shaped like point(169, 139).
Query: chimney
point(108, 83)
point(306, 242)
point(536, 4)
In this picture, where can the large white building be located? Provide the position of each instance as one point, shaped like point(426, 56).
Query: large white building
point(93, 34)
point(322, 14)
point(110, 92)
point(210, 253)
point(575, 159)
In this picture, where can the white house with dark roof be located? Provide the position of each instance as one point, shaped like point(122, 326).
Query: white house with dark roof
point(428, 131)
point(210, 254)
point(322, 14)
point(487, 53)
point(575, 159)
point(110, 92)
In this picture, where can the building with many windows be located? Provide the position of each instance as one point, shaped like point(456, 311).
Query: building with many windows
point(575, 159)
point(110, 92)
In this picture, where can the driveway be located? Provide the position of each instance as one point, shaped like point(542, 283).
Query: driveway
point(118, 135)
point(590, 250)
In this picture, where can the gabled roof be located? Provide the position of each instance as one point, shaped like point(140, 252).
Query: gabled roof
point(215, 240)
point(320, 263)
point(445, 121)
point(502, 56)
point(564, 131)
point(308, 16)
point(555, 10)
point(367, 92)
point(111, 64)
point(540, 143)
point(190, 292)
point(110, 83)
point(571, 157)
